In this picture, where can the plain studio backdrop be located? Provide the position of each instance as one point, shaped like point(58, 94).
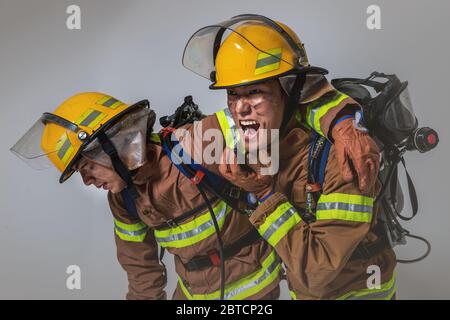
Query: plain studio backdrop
point(132, 50)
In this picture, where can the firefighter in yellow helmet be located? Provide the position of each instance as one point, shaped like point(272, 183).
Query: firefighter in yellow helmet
point(322, 223)
point(112, 146)
point(250, 49)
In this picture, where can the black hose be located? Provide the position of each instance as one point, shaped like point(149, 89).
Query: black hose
point(428, 244)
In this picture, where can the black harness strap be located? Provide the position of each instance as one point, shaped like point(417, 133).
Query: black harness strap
point(208, 260)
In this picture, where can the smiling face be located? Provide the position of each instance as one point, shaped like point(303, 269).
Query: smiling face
point(98, 175)
point(256, 107)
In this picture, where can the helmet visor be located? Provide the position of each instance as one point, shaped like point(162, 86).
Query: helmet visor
point(201, 49)
point(29, 148)
point(129, 136)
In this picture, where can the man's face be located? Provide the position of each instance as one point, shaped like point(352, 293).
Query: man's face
point(256, 107)
point(98, 175)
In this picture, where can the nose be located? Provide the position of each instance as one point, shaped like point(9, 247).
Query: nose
point(243, 106)
point(87, 178)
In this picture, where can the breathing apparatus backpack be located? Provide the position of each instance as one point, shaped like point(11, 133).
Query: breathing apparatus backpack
point(390, 120)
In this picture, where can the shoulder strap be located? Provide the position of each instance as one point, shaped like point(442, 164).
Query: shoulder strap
point(317, 163)
point(130, 204)
point(200, 176)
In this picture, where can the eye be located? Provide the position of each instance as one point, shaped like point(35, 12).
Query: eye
point(255, 91)
point(231, 93)
point(80, 165)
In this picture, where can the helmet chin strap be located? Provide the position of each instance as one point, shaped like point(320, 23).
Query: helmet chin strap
point(293, 102)
point(123, 172)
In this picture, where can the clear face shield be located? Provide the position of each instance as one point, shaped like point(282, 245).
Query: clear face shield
point(129, 136)
point(29, 148)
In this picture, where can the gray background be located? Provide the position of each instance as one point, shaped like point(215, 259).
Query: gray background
point(132, 50)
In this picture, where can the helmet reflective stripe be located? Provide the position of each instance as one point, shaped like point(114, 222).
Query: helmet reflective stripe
point(194, 231)
point(318, 108)
point(91, 118)
point(348, 207)
point(269, 61)
point(135, 232)
point(65, 148)
point(109, 102)
point(245, 287)
point(385, 292)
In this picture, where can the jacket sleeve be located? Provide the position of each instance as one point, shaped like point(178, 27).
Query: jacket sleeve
point(137, 252)
point(321, 114)
point(315, 253)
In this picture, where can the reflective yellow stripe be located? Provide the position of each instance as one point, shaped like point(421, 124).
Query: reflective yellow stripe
point(64, 148)
point(245, 287)
point(194, 231)
point(298, 117)
point(293, 295)
point(269, 61)
point(317, 109)
point(229, 129)
point(279, 223)
point(90, 118)
point(109, 102)
point(386, 292)
point(154, 137)
point(130, 232)
point(348, 207)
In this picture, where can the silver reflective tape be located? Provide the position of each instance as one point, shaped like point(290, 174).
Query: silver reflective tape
point(230, 294)
point(192, 233)
point(268, 61)
point(375, 295)
point(108, 103)
point(91, 117)
point(62, 151)
point(344, 206)
point(320, 104)
point(247, 286)
point(131, 233)
point(278, 223)
point(232, 126)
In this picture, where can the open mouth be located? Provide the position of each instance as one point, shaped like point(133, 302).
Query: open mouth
point(103, 186)
point(249, 127)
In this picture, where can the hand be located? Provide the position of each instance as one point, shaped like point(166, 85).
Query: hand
point(355, 147)
point(250, 180)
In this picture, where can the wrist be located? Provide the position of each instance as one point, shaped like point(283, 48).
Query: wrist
point(348, 116)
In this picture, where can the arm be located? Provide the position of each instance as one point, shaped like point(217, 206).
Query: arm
point(314, 253)
point(332, 116)
point(322, 114)
point(137, 252)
